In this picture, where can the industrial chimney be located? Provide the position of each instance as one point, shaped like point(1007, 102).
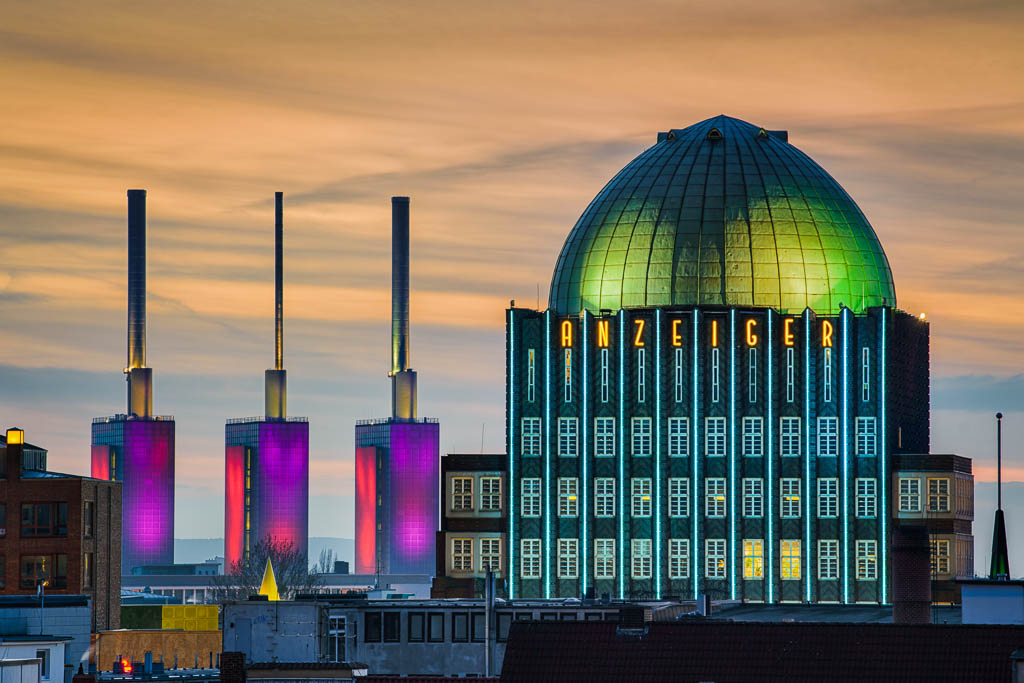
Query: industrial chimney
point(403, 379)
point(276, 380)
point(140, 378)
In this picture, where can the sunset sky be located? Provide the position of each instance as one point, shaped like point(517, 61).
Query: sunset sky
point(502, 121)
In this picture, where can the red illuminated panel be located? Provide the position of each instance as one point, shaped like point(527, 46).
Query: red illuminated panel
point(234, 505)
point(366, 510)
point(101, 462)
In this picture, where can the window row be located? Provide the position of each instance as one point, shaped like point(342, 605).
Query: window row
point(911, 498)
point(463, 499)
point(488, 555)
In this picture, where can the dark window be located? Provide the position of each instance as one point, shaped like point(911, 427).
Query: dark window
point(44, 519)
point(479, 621)
point(460, 627)
point(611, 616)
point(416, 627)
point(53, 569)
point(504, 623)
point(371, 630)
point(524, 616)
point(3, 571)
point(3, 517)
point(44, 664)
point(567, 616)
point(592, 616)
point(61, 526)
point(392, 627)
point(549, 616)
point(435, 620)
point(88, 570)
point(88, 518)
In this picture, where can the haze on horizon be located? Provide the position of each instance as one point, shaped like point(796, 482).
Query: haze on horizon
point(502, 124)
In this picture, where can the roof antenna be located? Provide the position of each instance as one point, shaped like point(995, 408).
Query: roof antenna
point(1000, 568)
point(482, 436)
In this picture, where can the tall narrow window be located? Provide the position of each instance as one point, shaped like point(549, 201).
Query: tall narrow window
point(462, 494)
point(678, 437)
point(865, 374)
point(867, 560)
point(531, 375)
point(828, 559)
point(604, 497)
point(680, 382)
point(678, 558)
point(715, 367)
point(753, 558)
point(789, 437)
point(568, 558)
point(641, 437)
point(490, 554)
point(753, 437)
point(827, 376)
point(568, 376)
point(604, 558)
point(530, 493)
point(490, 494)
point(604, 437)
point(828, 437)
point(790, 374)
point(568, 437)
point(939, 556)
point(529, 562)
point(866, 436)
point(568, 497)
point(910, 494)
point(678, 497)
point(790, 566)
point(752, 375)
point(641, 498)
point(531, 436)
point(938, 494)
point(789, 492)
point(714, 558)
point(828, 498)
point(753, 497)
point(640, 553)
point(641, 375)
point(867, 493)
point(462, 554)
point(714, 497)
point(714, 437)
point(604, 375)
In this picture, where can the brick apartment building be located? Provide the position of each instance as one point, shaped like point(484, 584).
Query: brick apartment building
point(62, 529)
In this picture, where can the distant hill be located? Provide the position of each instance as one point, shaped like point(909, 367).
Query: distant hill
point(190, 550)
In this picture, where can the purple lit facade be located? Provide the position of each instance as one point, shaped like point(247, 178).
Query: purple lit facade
point(404, 500)
point(140, 453)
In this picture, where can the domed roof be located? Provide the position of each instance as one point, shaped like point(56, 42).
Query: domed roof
point(722, 213)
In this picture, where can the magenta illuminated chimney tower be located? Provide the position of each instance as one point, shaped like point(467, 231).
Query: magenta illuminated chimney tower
point(403, 378)
point(276, 380)
point(140, 378)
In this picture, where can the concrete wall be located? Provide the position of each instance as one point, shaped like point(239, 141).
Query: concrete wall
point(19, 671)
point(995, 602)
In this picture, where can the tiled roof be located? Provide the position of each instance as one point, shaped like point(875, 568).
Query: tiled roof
point(726, 652)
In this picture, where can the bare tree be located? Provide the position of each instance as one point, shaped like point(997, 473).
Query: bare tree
point(326, 563)
point(291, 571)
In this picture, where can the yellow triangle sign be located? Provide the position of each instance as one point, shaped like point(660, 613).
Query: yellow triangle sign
point(269, 585)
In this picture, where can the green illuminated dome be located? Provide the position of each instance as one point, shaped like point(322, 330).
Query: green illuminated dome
point(722, 213)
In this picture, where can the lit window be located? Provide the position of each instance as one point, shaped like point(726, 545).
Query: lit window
point(789, 432)
point(641, 490)
point(790, 560)
point(462, 494)
point(938, 495)
point(604, 375)
point(714, 558)
point(640, 552)
point(568, 497)
point(462, 554)
point(910, 494)
point(530, 497)
point(641, 375)
point(753, 437)
point(790, 374)
point(678, 437)
point(828, 559)
point(490, 554)
point(828, 436)
point(531, 436)
point(789, 490)
point(753, 497)
point(865, 374)
point(604, 497)
point(714, 437)
point(641, 437)
point(714, 497)
point(568, 558)
point(827, 376)
point(753, 559)
point(529, 551)
point(867, 493)
point(867, 560)
point(828, 498)
point(939, 556)
point(866, 440)
point(604, 558)
point(604, 437)
point(531, 376)
point(678, 497)
point(752, 375)
point(679, 380)
point(490, 494)
point(715, 384)
point(568, 375)
point(568, 437)
point(678, 558)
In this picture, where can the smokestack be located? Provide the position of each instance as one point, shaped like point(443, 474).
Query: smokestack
point(403, 379)
point(911, 575)
point(276, 380)
point(140, 378)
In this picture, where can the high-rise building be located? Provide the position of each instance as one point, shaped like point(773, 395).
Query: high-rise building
point(137, 447)
point(713, 399)
point(397, 458)
point(266, 464)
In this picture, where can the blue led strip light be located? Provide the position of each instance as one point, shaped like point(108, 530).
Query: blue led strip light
point(695, 551)
point(658, 541)
point(769, 362)
point(511, 450)
point(547, 453)
point(622, 454)
point(846, 461)
point(584, 351)
point(883, 473)
point(807, 448)
point(732, 454)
